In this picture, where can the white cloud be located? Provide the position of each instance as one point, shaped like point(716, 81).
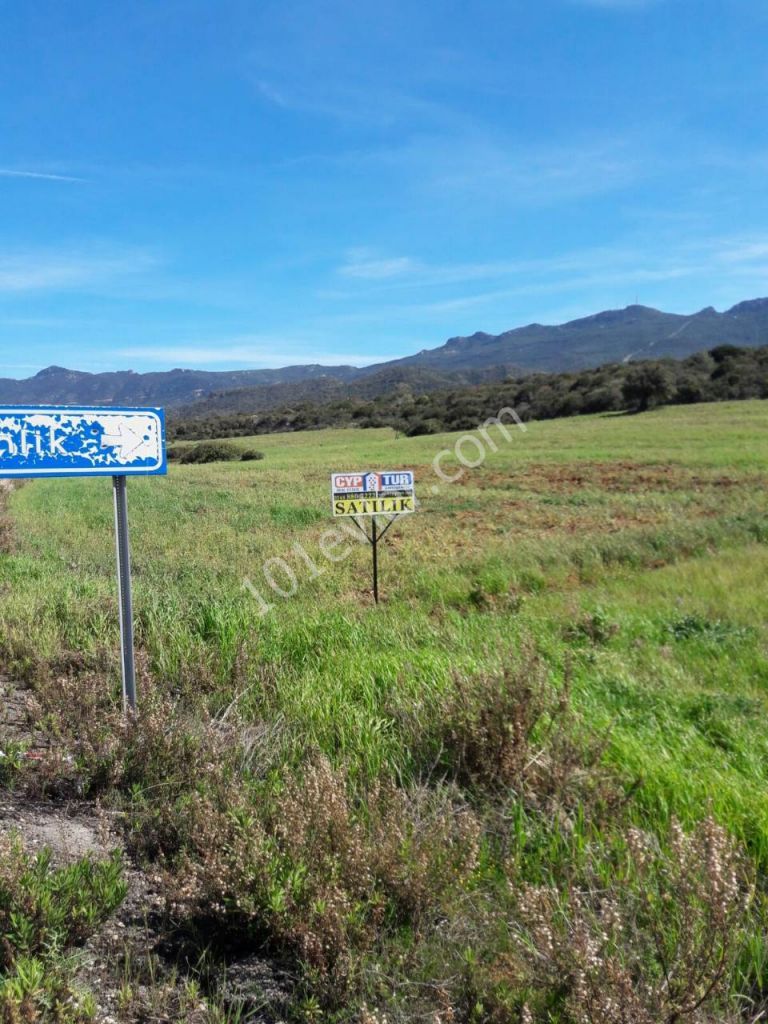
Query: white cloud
point(580, 265)
point(547, 175)
point(618, 5)
point(255, 351)
point(8, 172)
point(360, 265)
point(744, 251)
point(63, 270)
point(19, 366)
point(637, 265)
point(470, 164)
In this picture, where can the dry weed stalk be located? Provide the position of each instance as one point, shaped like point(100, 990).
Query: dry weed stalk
point(654, 947)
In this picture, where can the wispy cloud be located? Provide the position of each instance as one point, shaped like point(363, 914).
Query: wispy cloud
point(488, 169)
point(9, 172)
point(543, 175)
point(743, 250)
point(617, 5)
point(356, 104)
point(59, 270)
point(361, 264)
point(256, 350)
point(633, 264)
point(405, 273)
point(18, 366)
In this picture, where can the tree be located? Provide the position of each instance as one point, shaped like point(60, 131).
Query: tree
point(646, 385)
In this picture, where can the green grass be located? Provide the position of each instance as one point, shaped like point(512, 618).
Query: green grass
point(630, 550)
point(572, 514)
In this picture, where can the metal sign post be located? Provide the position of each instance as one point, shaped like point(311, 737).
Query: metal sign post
point(40, 441)
point(358, 495)
point(375, 549)
point(123, 549)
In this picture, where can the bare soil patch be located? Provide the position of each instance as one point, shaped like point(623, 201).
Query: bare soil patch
point(622, 476)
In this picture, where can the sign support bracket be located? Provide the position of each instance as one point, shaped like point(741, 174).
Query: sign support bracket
point(373, 539)
point(375, 549)
point(122, 546)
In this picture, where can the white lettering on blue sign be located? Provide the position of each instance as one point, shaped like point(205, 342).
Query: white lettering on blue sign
point(89, 441)
point(402, 480)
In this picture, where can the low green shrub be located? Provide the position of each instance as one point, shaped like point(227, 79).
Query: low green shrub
point(11, 761)
point(209, 451)
point(688, 627)
point(43, 912)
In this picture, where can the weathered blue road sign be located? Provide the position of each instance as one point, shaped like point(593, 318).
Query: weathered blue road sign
point(81, 441)
point(42, 440)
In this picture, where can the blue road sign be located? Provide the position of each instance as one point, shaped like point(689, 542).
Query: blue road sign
point(81, 441)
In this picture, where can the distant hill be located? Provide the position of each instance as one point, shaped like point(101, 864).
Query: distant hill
point(417, 380)
point(171, 387)
point(617, 335)
point(613, 336)
point(724, 373)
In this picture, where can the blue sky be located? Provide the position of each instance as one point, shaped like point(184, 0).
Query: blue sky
point(236, 183)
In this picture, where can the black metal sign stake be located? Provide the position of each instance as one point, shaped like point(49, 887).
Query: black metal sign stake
point(373, 539)
point(124, 591)
point(375, 549)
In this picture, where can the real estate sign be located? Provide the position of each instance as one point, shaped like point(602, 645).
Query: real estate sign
point(389, 493)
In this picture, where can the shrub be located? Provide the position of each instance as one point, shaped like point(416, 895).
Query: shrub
point(594, 627)
point(11, 761)
point(420, 427)
point(210, 451)
point(44, 907)
point(43, 911)
point(251, 455)
point(646, 385)
point(515, 734)
point(656, 943)
point(696, 626)
point(326, 876)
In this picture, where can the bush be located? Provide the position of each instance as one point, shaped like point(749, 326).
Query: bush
point(251, 455)
point(515, 733)
point(210, 451)
point(421, 427)
point(655, 942)
point(646, 385)
point(324, 876)
point(44, 910)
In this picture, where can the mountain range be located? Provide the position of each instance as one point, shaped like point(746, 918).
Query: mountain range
point(633, 333)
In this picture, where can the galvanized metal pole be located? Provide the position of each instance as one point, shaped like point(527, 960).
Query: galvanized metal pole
point(375, 545)
point(124, 590)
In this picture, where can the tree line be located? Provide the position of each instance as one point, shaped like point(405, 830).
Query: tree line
point(723, 373)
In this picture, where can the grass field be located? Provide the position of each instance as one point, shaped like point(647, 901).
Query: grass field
point(399, 798)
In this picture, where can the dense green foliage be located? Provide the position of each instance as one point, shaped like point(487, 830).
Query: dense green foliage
point(722, 374)
point(365, 385)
